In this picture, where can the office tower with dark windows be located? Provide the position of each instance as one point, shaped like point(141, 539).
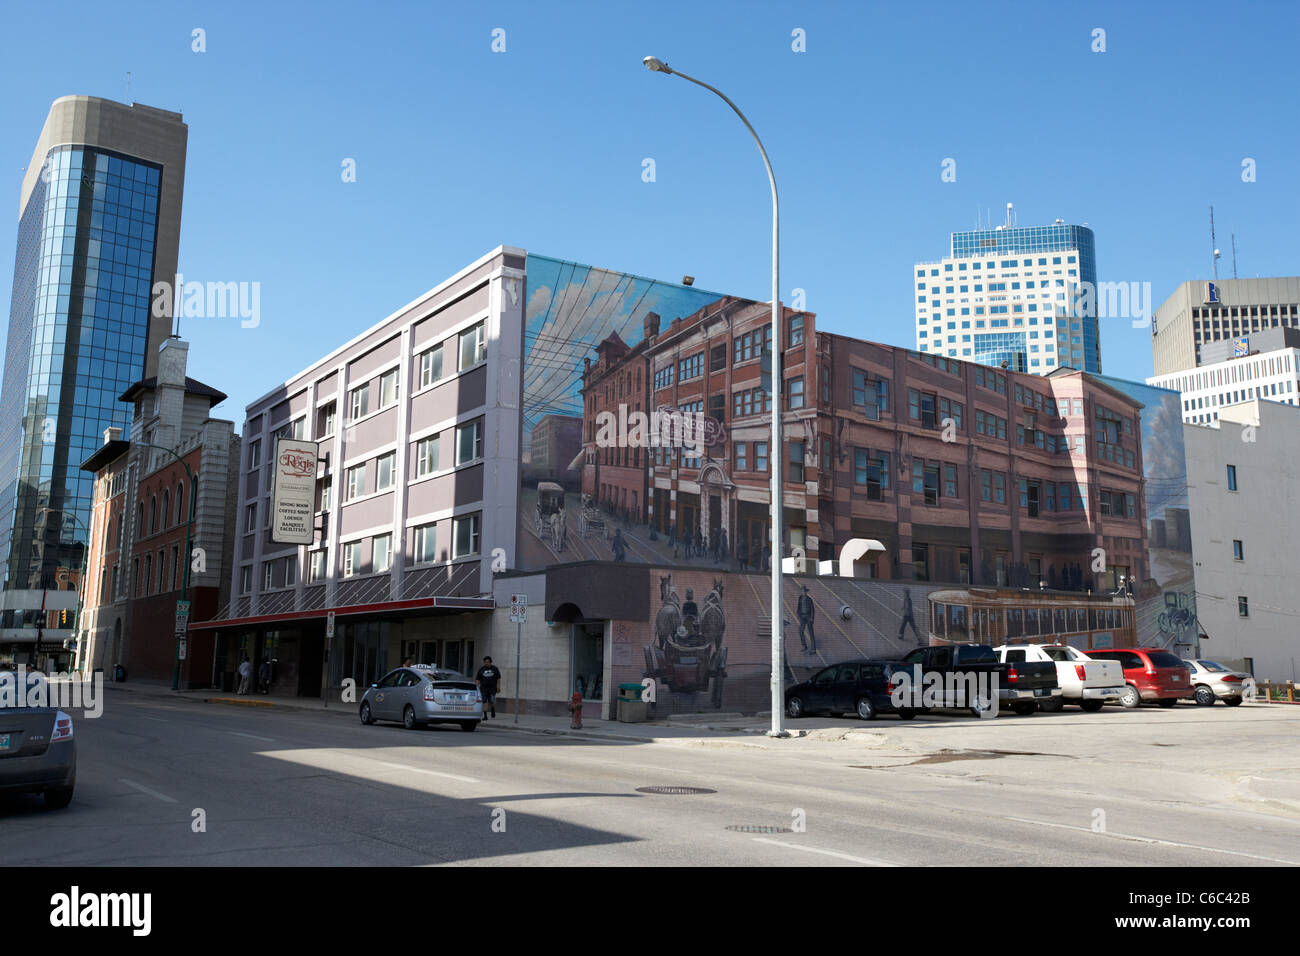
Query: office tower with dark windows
point(98, 225)
point(1024, 298)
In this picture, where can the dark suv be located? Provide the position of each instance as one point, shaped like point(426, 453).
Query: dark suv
point(858, 686)
point(1151, 675)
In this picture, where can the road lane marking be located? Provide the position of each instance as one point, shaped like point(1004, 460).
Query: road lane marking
point(161, 720)
point(143, 789)
point(432, 773)
point(251, 736)
point(813, 849)
point(1142, 839)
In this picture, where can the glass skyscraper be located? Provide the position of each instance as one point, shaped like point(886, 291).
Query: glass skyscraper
point(99, 224)
point(1022, 296)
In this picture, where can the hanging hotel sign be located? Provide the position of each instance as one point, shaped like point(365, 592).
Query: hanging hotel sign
point(293, 491)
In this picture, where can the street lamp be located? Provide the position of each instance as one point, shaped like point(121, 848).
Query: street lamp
point(189, 547)
point(775, 457)
point(81, 581)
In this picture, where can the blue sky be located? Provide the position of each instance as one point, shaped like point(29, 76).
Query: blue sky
point(459, 149)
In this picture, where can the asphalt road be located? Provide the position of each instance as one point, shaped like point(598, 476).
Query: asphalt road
point(1203, 787)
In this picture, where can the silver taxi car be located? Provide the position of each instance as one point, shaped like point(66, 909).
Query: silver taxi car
point(422, 695)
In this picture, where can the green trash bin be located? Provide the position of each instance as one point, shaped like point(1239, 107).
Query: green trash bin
point(631, 708)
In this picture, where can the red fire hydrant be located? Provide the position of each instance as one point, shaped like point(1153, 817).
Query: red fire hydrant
point(575, 708)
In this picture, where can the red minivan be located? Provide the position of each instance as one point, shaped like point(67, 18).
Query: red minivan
point(1151, 674)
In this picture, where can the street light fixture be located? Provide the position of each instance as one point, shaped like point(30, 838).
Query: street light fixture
point(656, 65)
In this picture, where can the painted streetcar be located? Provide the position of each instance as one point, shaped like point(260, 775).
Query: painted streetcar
point(998, 616)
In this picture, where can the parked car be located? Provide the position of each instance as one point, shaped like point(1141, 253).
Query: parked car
point(423, 695)
point(862, 687)
point(1212, 681)
point(38, 753)
point(1150, 674)
point(1083, 681)
point(1021, 686)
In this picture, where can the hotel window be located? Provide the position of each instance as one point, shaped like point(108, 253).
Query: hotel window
point(326, 420)
point(426, 456)
point(473, 348)
point(953, 410)
point(741, 456)
point(250, 519)
point(316, 572)
point(246, 579)
point(796, 461)
point(359, 402)
point(268, 574)
point(382, 558)
point(388, 388)
point(430, 365)
point(760, 456)
point(1243, 606)
point(356, 481)
point(325, 485)
point(290, 571)
point(717, 358)
point(796, 331)
point(465, 540)
point(351, 558)
point(925, 481)
point(794, 388)
point(986, 485)
point(870, 395)
point(469, 441)
point(950, 481)
point(384, 471)
point(873, 472)
point(255, 455)
point(1238, 550)
point(1232, 477)
point(921, 407)
point(426, 540)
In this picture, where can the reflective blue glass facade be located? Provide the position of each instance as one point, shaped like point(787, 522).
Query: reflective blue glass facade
point(995, 348)
point(78, 328)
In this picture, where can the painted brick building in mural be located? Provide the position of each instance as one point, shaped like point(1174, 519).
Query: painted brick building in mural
point(966, 474)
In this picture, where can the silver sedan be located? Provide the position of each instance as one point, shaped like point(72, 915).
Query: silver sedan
point(423, 695)
point(1212, 681)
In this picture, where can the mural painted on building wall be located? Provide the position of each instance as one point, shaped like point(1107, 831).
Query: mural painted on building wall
point(1166, 599)
point(588, 362)
point(707, 644)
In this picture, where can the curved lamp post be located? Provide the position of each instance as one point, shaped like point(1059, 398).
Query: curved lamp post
point(775, 458)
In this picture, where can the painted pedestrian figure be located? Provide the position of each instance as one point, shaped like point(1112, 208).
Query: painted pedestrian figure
point(908, 618)
point(804, 611)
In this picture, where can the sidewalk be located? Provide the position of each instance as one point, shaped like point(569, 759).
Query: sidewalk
point(689, 727)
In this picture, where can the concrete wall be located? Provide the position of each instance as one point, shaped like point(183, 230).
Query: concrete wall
point(1262, 439)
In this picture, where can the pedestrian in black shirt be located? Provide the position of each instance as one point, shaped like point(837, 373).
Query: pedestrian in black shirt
point(487, 678)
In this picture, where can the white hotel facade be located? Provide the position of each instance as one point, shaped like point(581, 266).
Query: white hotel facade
point(1013, 295)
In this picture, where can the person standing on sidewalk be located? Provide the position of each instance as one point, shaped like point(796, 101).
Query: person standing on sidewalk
point(487, 678)
point(245, 674)
point(264, 677)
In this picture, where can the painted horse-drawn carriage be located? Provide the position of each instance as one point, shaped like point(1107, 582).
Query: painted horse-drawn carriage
point(688, 654)
point(550, 521)
point(591, 520)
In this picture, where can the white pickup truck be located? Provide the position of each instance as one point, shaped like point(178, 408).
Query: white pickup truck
point(1084, 681)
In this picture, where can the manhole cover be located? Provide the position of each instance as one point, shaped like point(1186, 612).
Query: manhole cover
point(758, 828)
point(674, 790)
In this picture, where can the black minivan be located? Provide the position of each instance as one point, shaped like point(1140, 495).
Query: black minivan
point(861, 687)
